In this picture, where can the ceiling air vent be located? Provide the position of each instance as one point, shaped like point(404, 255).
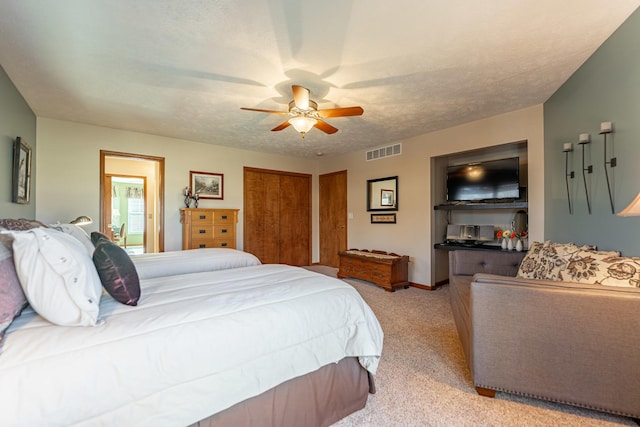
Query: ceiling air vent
point(379, 153)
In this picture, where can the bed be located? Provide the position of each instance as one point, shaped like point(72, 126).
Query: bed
point(229, 344)
point(190, 261)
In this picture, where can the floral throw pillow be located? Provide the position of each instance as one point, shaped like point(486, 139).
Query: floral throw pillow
point(550, 261)
point(20, 224)
point(530, 265)
point(602, 269)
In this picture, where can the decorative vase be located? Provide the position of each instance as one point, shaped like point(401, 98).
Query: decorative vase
point(504, 244)
point(519, 245)
point(510, 244)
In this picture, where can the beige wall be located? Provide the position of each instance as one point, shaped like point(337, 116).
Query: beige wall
point(68, 166)
point(412, 233)
point(68, 178)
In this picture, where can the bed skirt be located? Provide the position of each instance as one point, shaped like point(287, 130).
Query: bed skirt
point(319, 398)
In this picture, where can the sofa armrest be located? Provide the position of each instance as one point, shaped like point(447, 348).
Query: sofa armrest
point(567, 342)
point(468, 262)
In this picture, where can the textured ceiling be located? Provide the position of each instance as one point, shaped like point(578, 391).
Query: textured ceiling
point(183, 68)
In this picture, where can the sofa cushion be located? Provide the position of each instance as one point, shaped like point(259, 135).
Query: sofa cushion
point(468, 262)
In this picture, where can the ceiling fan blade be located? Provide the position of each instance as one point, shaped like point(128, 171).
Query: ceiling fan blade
point(281, 126)
point(264, 111)
point(341, 112)
point(325, 127)
point(300, 97)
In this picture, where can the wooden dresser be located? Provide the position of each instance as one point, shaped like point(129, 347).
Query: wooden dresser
point(389, 271)
point(208, 228)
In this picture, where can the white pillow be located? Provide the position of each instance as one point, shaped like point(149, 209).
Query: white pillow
point(57, 276)
point(77, 232)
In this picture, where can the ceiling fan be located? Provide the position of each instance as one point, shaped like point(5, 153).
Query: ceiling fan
point(305, 114)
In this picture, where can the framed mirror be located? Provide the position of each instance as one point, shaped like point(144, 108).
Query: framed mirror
point(382, 194)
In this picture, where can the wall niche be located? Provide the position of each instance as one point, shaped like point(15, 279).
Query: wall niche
point(499, 214)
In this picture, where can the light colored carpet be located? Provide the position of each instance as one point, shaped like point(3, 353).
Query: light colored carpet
point(422, 379)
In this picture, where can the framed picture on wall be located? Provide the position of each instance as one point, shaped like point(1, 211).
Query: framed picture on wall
point(207, 185)
point(388, 218)
point(21, 172)
point(386, 198)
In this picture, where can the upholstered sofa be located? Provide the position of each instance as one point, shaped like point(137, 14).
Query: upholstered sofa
point(574, 343)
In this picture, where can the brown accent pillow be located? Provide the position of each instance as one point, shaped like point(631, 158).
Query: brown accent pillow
point(97, 238)
point(117, 272)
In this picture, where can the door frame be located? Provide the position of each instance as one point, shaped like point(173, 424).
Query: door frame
point(160, 199)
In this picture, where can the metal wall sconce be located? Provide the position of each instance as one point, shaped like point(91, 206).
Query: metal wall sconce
point(567, 148)
point(584, 140)
point(605, 129)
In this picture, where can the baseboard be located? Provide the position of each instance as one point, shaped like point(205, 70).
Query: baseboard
point(425, 287)
point(429, 287)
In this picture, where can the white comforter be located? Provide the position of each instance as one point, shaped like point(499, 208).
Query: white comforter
point(195, 345)
point(162, 264)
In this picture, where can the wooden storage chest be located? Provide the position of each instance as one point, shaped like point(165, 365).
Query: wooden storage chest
point(389, 271)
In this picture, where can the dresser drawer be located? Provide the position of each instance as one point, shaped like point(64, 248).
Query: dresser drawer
point(201, 232)
point(224, 243)
point(213, 243)
point(224, 232)
point(202, 217)
point(223, 217)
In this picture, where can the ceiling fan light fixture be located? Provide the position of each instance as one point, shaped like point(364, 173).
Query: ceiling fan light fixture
point(302, 124)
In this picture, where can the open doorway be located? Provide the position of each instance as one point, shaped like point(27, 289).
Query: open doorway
point(131, 201)
point(128, 208)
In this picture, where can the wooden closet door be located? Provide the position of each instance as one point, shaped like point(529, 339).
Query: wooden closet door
point(277, 216)
point(261, 216)
point(295, 219)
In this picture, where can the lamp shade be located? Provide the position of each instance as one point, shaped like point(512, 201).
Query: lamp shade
point(82, 220)
point(302, 124)
point(633, 209)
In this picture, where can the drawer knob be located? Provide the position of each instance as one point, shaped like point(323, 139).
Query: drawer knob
point(224, 217)
point(202, 231)
point(202, 245)
point(224, 230)
point(203, 217)
point(223, 244)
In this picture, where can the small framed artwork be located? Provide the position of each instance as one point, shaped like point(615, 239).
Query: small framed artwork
point(21, 172)
point(386, 198)
point(388, 218)
point(207, 185)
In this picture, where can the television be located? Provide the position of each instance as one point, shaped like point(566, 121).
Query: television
point(494, 180)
